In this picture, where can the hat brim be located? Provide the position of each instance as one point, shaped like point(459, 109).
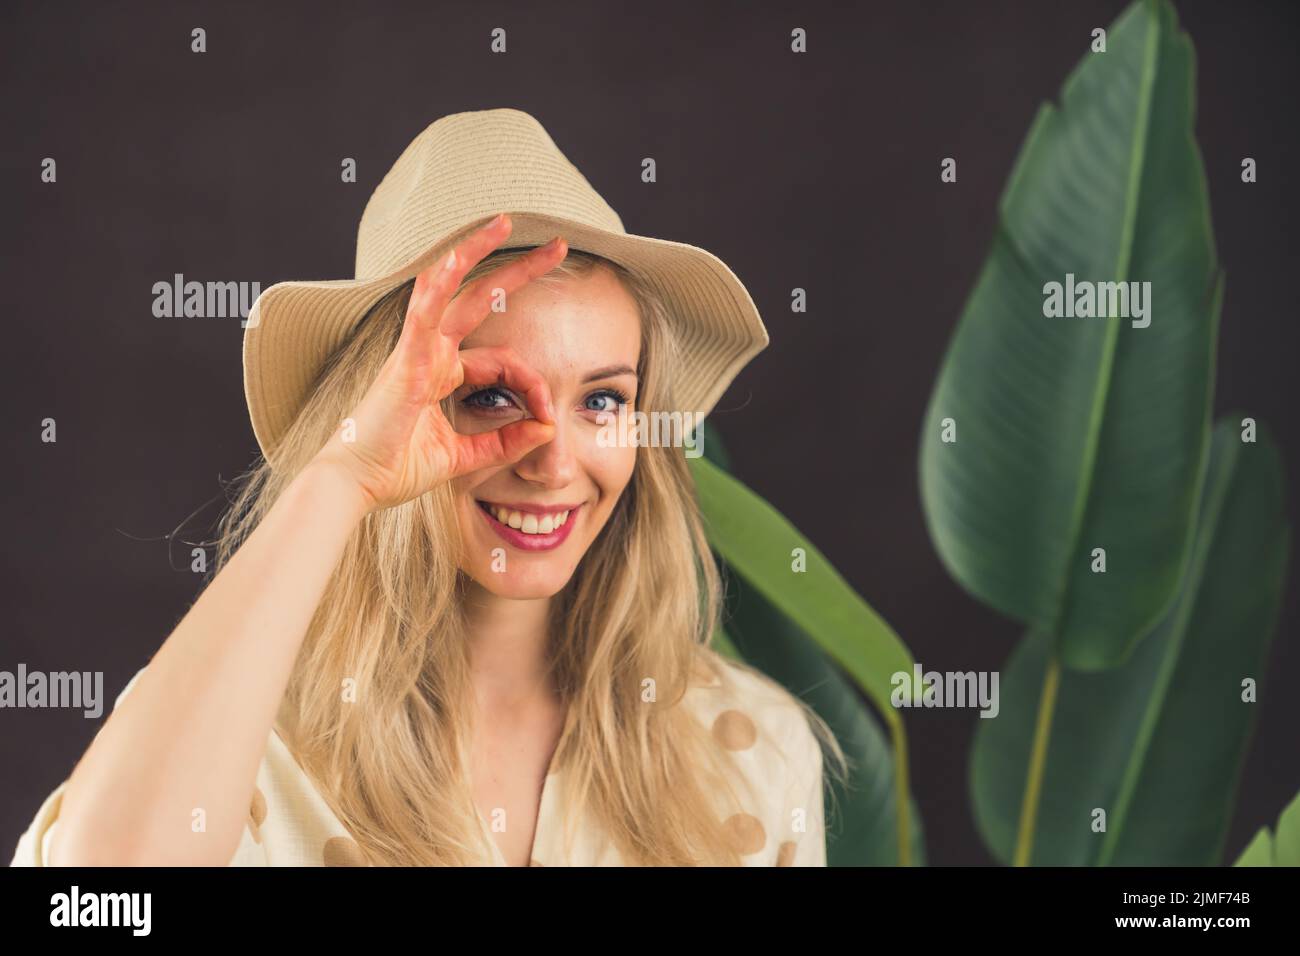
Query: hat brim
point(294, 327)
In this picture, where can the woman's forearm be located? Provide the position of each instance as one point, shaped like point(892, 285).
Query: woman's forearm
point(184, 746)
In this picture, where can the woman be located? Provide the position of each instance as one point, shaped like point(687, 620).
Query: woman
point(451, 624)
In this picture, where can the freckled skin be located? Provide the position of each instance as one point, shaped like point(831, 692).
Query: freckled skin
point(564, 332)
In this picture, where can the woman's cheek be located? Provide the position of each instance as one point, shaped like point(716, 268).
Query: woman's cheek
point(611, 470)
point(627, 467)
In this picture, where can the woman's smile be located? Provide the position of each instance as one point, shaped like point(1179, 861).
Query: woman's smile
point(531, 527)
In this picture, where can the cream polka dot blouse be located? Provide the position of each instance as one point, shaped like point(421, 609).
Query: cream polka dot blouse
point(289, 823)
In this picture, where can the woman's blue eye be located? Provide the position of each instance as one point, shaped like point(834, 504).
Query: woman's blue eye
point(612, 398)
point(488, 398)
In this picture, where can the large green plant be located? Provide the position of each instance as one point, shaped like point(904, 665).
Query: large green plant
point(1063, 462)
point(1069, 479)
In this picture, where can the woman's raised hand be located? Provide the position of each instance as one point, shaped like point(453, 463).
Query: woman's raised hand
point(401, 445)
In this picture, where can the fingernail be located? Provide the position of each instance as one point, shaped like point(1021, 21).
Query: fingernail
point(451, 261)
point(501, 217)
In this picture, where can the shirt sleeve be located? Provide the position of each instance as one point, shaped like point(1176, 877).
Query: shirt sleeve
point(802, 827)
point(33, 845)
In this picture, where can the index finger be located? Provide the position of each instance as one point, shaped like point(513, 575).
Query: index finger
point(437, 283)
point(473, 305)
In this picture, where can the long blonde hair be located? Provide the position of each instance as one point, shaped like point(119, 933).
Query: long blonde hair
point(389, 756)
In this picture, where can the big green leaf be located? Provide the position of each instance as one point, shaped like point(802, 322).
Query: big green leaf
point(1280, 848)
point(862, 822)
point(1075, 434)
point(1158, 742)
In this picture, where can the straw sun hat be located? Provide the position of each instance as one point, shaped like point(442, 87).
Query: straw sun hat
point(455, 176)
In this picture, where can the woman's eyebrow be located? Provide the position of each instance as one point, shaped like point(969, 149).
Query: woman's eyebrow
point(609, 372)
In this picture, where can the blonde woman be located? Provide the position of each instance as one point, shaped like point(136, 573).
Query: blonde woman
point(452, 624)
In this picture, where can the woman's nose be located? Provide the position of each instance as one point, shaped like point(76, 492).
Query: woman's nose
point(552, 465)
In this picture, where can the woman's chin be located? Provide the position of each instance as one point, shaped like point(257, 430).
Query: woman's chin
point(507, 571)
point(520, 586)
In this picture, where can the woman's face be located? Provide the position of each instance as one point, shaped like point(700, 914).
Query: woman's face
point(583, 335)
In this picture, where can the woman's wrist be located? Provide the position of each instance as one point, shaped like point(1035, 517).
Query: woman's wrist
point(331, 484)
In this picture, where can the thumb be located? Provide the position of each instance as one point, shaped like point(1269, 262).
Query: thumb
point(504, 445)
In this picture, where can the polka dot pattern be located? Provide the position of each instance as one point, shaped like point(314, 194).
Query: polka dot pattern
point(343, 851)
point(734, 730)
point(730, 723)
point(745, 833)
point(257, 814)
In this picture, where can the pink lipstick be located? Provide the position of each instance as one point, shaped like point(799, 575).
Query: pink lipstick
point(533, 519)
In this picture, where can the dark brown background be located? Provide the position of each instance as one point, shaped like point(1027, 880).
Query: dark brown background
point(818, 171)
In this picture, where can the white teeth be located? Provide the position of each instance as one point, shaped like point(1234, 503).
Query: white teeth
point(529, 523)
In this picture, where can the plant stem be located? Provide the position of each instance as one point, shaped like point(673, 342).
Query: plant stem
point(1037, 761)
point(899, 735)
